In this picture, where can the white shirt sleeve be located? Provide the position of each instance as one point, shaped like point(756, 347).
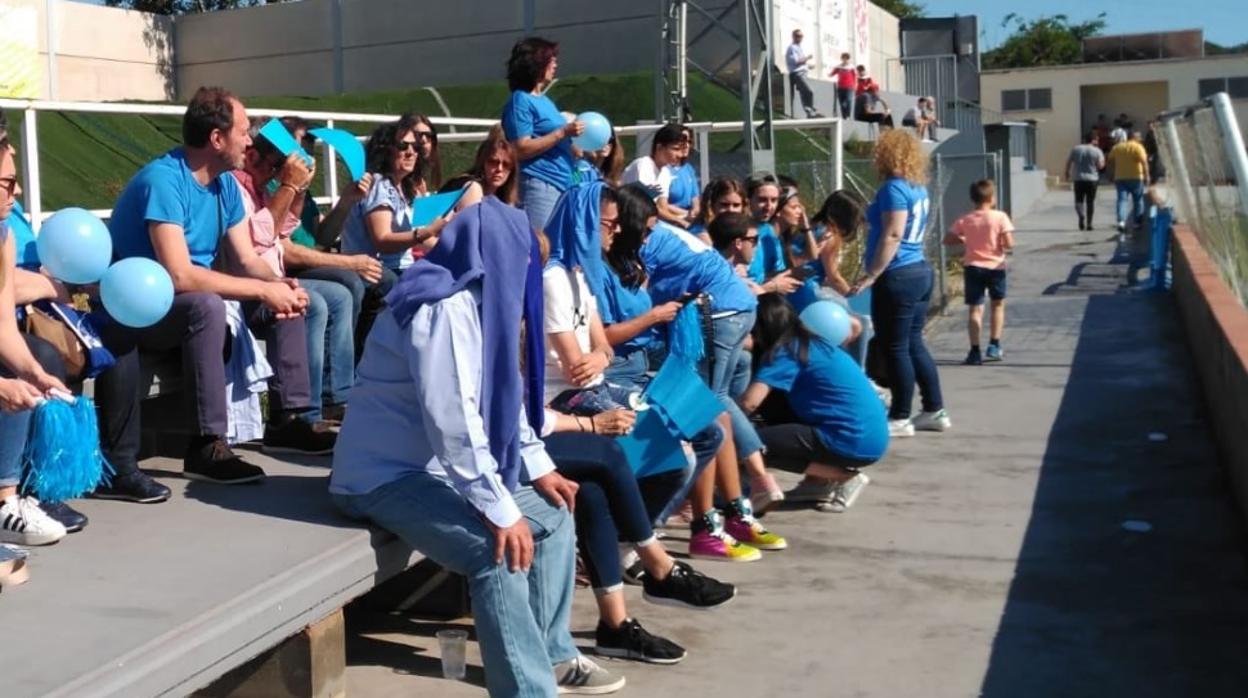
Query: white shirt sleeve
point(558, 303)
point(537, 462)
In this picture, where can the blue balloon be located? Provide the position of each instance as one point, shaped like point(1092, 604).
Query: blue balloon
point(137, 292)
point(74, 246)
point(597, 131)
point(828, 320)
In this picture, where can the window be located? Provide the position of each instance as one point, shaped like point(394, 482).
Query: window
point(1237, 88)
point(1036, 99)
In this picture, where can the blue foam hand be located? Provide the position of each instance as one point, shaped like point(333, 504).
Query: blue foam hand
point(274, 132)
point(347, 146)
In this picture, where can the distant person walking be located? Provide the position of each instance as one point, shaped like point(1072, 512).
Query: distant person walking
point(1129, 163)
point(798, 63)
point(846, 77)
point(1083, 169)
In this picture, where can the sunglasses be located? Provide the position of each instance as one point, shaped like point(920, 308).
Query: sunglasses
point(609, 223)
point(426, 135)
point(751, 238)
point(9, 185)
point(404, 146)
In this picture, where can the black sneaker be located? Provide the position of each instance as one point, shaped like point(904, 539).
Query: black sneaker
point(297, 436)
point(686, 587)
point(634, 574)
point(135, 486)
point(631, 641)
point(973, 358)
point(72, 519)
point(215, 462)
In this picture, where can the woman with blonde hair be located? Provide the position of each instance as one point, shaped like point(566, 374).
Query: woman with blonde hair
point(902, 279)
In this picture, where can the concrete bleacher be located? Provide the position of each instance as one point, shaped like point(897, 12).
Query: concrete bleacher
point(164, 599)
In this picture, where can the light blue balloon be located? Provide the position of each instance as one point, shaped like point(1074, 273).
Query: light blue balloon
point(597, 131)
point(137, 292)
point(828, 320)
point(74, 246)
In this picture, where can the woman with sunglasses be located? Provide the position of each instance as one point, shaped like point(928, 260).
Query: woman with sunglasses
point(493, 173)
point(428, 159)
point(381, 224)
point(537, 129)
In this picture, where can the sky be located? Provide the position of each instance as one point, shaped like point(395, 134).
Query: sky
point(1224, 21)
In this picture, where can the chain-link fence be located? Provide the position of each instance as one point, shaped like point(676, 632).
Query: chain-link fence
point(1207, 177)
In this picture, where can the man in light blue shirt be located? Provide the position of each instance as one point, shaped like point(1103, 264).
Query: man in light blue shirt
point(798, 62)
point(438, 448)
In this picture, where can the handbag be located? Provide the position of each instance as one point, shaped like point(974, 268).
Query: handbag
point(73, 335)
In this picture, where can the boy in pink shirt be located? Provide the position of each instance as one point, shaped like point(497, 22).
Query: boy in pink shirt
point(986, 235)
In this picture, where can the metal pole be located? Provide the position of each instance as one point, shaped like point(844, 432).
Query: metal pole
point(1178, 163)
point(940, 219)
point(704, 153)
point(1234, 143)
point(335, 18)
point(50, 28)
point(331, 171)
point(837, 154)
point(30, 167)
point(682, 58)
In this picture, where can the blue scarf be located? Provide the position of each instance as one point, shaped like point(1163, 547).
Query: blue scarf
point(575, 240)
point(484, 243)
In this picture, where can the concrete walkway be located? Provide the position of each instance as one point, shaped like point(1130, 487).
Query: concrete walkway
point(992, 560)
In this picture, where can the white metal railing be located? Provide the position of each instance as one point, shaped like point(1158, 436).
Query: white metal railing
point(30, 109)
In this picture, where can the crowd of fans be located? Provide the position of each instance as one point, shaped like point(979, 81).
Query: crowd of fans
point(395, 347)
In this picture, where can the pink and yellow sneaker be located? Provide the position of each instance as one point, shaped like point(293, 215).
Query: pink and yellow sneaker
point(747, 529)
point(716, 544)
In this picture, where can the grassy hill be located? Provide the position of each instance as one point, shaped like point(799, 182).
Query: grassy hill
point(86, 159)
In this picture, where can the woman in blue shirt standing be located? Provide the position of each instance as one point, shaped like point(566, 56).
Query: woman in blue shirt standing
point(902, 279)
point(537, 129)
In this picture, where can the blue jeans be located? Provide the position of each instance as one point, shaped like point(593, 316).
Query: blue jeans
point(331, 343)
point(538, 199)
point(629, 370)
point(705, 445)
point(522, 620)
point(899, 303)
point(724, 353)
point(14, 428)
point(349, 280)
point(1134, 190)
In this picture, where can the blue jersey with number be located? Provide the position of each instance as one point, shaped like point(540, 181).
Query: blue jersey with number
point(898, 194)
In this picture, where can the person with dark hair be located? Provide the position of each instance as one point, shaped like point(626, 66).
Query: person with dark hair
point(685, 189)
point(493, 173)
point(839, 425)
point(677, 265)
point(721, 195)
point(184, 212)
point(735, 237)
point(768, 269)
point(656, 171)
point(846, 85)
point(428, 174)
point(798, 63)
point(987, 236)
point(1083, 169)
point(537, 129)
point(381, 225)
point(872, 109)
point(607, 163)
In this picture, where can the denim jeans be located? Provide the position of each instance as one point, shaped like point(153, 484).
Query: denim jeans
point(522, 620)
point(899, 303)
point(724, 354)
point(538, 199)
point(331, 343)
point(705, 445)
point(14, 428)
point(1132, 189)
point(845, 100)
point(347, 279)
point(629, 370)
point(609, 505)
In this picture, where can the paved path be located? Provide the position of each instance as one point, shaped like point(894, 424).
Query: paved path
point(991, 560)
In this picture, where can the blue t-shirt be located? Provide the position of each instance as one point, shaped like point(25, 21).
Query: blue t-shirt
point(23, 238)
point(621, 304)
point(684, 188)
point(679, 263)
point(532, 115)
point(164, 191)
point(898, 194)
point(585, 171)
point(768, 255)
point(831, 394)
point(355, 237)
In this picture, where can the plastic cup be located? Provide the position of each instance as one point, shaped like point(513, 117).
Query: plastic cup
point(454, 644)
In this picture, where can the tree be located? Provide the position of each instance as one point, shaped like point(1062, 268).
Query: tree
point(901, 9)
point(1215, 49)
point(1042, 41)
point(185, 7)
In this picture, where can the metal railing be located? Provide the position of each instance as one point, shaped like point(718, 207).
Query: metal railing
point(1207, 178)
point(927, 76)
point(703, 130)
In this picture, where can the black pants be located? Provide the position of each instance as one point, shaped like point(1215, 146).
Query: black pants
point(808, 98)
point(116, 402)
point(1085, 196)
point(795, 446)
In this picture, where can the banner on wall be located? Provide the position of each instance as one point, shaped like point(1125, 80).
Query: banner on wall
point(787, 15)
point(834, 35)
point(20, 74)
point(830, 27)
point(862, 34)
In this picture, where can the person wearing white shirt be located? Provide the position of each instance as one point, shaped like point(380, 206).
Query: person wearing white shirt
point(656, 171)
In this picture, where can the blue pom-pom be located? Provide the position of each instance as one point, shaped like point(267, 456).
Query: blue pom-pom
point(684, 335)
point(63, 458)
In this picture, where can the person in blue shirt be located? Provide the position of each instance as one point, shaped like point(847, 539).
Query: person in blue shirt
point(184, 210)
point(721, 195)
point(440, 447)
point(685, 188)
point(537, 129)
point(901, 281)
point(768, 266)
point(839, 426)
point(678, 266)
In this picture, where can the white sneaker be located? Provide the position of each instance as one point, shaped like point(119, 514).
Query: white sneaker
point(932, 421)
point(885, 395)
point(900, 428)
point(581, 676)
point(845, 495)
point(24, 523)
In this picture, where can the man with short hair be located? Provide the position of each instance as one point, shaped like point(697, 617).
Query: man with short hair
point(846, 85)
point(1129, 163)
point(1083, 169)
point(183, 211)
point(798, 63)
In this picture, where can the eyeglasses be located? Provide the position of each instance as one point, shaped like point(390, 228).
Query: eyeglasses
point(404, 146)
point(609, 223)
point(751, 238)
point(426, 135)
point(9, 185)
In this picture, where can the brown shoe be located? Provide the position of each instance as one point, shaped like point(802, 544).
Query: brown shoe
point(297, 436)
point(215, 462)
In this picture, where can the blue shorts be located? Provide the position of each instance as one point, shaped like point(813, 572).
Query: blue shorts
point(977, 280)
